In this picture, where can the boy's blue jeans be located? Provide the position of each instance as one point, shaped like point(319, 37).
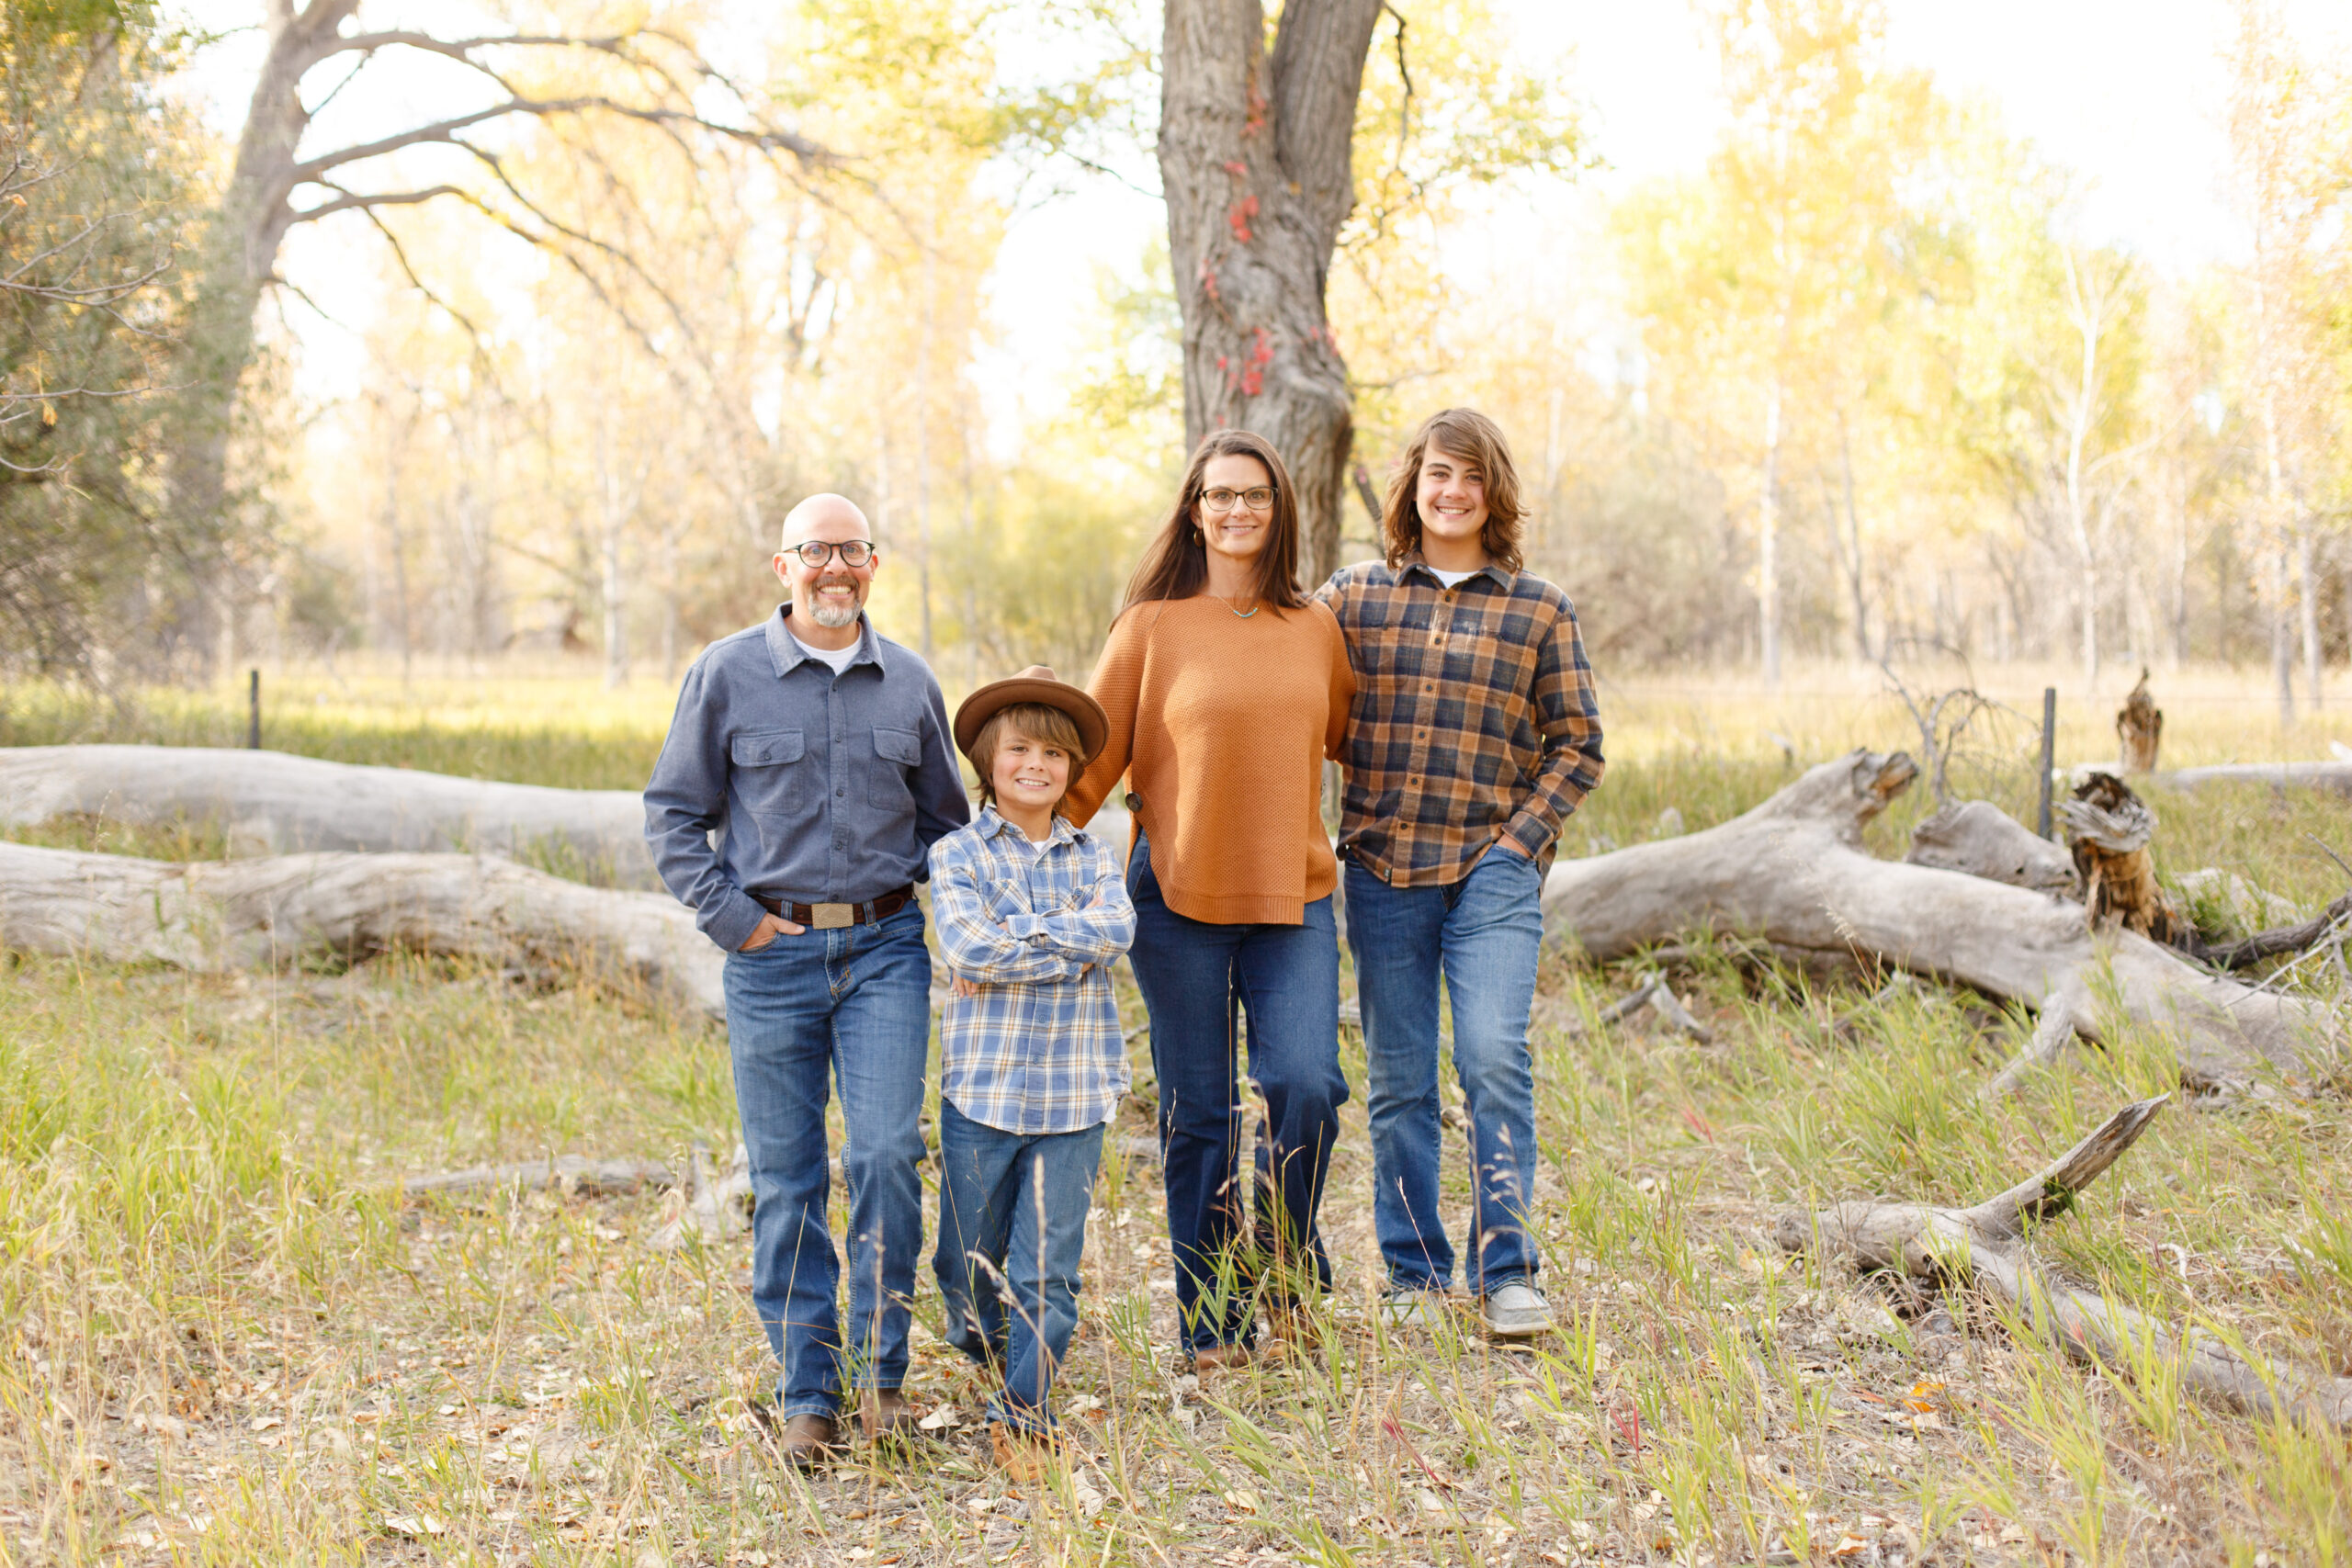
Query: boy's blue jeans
point(1286, 979)
point(1011, 1228)
point(1483, 933)
point(854, 1004)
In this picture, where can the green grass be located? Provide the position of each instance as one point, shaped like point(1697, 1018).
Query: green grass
point(221, 1342)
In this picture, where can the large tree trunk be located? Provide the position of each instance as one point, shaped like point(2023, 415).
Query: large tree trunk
point(1794, 870)
point(239, 257)
point(270, 803)
point(222, 915)
point(1255, 164)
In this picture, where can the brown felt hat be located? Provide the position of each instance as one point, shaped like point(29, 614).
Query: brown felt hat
point(1034, 684)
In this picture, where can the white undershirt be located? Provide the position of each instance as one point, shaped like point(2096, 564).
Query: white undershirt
point(838, 657)
point(1453, 578)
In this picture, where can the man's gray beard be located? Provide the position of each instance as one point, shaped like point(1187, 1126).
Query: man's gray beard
point(834, 616)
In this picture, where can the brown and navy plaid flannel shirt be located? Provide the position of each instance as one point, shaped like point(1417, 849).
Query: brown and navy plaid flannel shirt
point(1474, 717)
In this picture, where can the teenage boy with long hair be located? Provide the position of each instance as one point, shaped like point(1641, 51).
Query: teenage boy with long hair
point(1473, 735)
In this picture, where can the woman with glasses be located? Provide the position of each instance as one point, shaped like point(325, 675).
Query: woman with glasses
point(1227, 688)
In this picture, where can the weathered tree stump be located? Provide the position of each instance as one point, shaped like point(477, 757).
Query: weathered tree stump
point(2141, 727)
point(2108, 830)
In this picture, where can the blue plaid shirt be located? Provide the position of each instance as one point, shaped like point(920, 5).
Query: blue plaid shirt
point(1037, 927)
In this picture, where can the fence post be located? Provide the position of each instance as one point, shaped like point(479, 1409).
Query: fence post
point(2049, 753)
point(253, 712)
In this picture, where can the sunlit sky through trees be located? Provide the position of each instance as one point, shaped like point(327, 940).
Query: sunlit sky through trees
point(2127, 94)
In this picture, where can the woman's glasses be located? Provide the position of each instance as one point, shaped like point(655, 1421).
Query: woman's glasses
point(855, 553)
point(1222, 500)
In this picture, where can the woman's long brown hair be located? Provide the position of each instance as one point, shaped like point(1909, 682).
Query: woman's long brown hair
point(1176, 564)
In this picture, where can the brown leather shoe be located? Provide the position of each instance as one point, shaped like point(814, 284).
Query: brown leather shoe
point(804, 1442)
point(1221, 1359)
point(1024, 1457)
point(886, 1414)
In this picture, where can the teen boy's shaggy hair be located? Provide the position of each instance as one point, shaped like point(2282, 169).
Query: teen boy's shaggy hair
point(1478, 441)
point(1033, 722)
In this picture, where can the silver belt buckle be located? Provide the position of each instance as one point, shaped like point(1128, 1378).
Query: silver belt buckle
point(832, 916)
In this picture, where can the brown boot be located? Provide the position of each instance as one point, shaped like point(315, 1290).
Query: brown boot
point(1024, 1457)
point(1212, 1358)
point(804, 1442)
point(885, 1415)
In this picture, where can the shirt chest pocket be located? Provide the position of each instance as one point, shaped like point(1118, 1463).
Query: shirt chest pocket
point(902, 748)
point(769, 774)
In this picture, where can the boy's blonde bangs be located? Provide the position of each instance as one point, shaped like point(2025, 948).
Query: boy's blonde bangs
point(1031, 721)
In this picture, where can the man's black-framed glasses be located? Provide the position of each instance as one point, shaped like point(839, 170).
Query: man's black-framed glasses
point(855, 553)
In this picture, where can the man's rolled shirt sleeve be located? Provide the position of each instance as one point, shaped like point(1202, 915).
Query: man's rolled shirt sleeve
point(685, 802)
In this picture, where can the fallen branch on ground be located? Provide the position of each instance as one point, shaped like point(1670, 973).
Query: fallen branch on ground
point(271, 803)
point(566, 1173)
point(225, 915)
point(1793, 873)
point(1985, 1245)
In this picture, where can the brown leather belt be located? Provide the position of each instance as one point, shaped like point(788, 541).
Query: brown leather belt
point(833, 916)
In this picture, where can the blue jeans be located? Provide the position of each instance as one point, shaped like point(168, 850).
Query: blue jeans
point(1286, 979)
point(1483, 933)
point(854, 1003)
point(1012, 1221)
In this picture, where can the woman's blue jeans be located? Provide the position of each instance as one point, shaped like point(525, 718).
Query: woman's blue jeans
point(1483, 934)
point(1011, 1228)
point(853, 1005)
point(1195, 977)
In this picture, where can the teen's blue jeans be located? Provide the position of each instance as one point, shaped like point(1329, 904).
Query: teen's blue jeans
point(1012, 1226)
point(1286, 980)
point(1483, 934)
point(852, 1005)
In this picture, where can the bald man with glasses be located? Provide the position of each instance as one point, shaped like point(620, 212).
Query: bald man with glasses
point(806, 773)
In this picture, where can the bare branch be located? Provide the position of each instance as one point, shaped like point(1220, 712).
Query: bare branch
point(350, 201)
point(444, 131)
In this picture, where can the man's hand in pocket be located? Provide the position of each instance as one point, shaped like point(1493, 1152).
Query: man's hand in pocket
point(770, 927)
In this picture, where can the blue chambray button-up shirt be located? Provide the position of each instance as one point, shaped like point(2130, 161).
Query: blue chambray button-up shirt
point(1037, 927)
point(819, 788)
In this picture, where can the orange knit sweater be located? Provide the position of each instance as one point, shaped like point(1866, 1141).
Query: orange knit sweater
point(1221, 725)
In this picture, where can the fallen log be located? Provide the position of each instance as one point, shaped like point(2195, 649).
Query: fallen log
point(2336, 775)
point(270, 803)
point(1985, 1245)
point(1793, 873)
point(223, 915)
point(1980, 838)
point(572, 1174)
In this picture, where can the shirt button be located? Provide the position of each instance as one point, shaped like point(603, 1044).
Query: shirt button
point(841, 791)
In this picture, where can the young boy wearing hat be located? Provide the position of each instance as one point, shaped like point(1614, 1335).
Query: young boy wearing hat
point(1031, 913)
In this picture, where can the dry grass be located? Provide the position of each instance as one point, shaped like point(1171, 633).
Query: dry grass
point(220, 1340)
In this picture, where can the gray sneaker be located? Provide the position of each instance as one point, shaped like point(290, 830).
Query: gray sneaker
point(1413, 1309)
point(1515, 1312)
